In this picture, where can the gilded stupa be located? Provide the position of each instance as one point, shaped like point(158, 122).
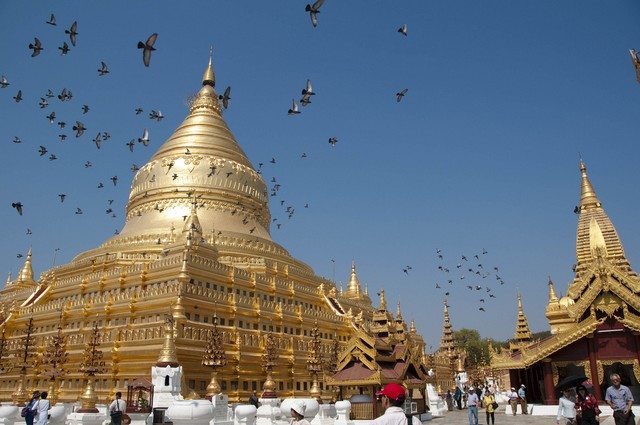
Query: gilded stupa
point(196, 247)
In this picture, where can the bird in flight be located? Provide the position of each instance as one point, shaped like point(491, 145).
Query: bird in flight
point(79, 128)
point(97, 140)
point(313, 10)
point(104, 69)
point(131, 144)
point(17, 206)
point(145, 138)
point(156, 115)
point(403, 30)
point(401, 94)
point(64, 49)
point(78, 211)
point(36, 46)
point(138, 111)
point(18, 96)
point(85, 109)
point(17, 140)
point(147, 48)
point(42, 151)
point(635, 60)
point(4, 82)
point(73, 32)
point(333, 141)
point(62, 196)
point(51, 117)
point(225, 97)
point(114, 179)
point(52, 20)
point(294, 108)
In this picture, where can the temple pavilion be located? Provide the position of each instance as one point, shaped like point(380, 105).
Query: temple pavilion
point(595, 327)
point(195, 252)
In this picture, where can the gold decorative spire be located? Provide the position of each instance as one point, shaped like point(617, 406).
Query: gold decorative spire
point(596, 231)
point(522, 334)
point(553, 298)
point(26, 274)
point(412, 328)
point(446, 343)
point(8, 281)
point(383, 301)
point(353, 289)
point(398, 313)
point(192, 223)
point(209, 77)
point(167, 356)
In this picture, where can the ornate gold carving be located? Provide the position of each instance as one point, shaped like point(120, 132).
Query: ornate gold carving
point(556, 365)
point(602, 363)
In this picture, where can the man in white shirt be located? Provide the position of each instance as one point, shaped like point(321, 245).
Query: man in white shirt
point(392, 397)
point(116, 409)
point(472, 405)
point(513, 400)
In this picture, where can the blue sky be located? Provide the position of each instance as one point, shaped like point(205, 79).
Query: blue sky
point(482, 152)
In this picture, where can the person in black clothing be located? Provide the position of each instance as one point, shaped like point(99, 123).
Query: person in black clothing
point(254, 399)
point(31, 414)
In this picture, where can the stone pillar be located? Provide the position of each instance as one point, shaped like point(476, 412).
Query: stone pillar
point(549, 388)
point(595, 379)
point(343, 410)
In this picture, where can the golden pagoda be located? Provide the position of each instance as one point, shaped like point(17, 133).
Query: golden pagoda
point(595, 327)
point(522, 335)
point(448, 359)
point(196, 246)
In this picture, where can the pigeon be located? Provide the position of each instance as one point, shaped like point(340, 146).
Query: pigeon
point(51, 117)
point(29, 232)
point(52, 20)
point(73, 32)
point(401, 94)
point(305, 99)
point(79, 128)
point(97, 140)
point(88, 164)
point(62, 124)
point(17, 206)
point(52, 157)
point(145, 138)
point(104, 70)
point(64, 49)
point(18, 96)
point(42, 151)
point(131, 144)
point(403, 30)
point(62, 137)
point(78, 211)
point(138, 111)
point(62, 196)
point(147, 48)
point(49, 94)
point(481, 309)
point(100, 185)
point(333, 141)
point(114, 179)
point(313, 10)
point(134, 168)
point(294, 108)
point(308, 90)
point(156, 115)
point(225, 97)
point(85, 109)
point(36, 46)
point(43, 103)
point(4, 82)
point(106, 135)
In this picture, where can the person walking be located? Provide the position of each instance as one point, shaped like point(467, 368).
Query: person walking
point(513, 400)
point(41, 409)
point(392, 397)
point(587, 410)
point(566, 409)
point(449, 399)
point(254, 399)
point(522, 395)
point(29, 413)
point(488, 401)
point(116, 409)
point(472, 406)
point(619, 397)
point(457, 396)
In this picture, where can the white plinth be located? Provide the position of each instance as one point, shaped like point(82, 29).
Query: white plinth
point(76, 418)
point(166, 385)
point(343, 410)
point(10, 414)
point(190, 412)
point(268, 412)
point(437, 406)
point(245, 414)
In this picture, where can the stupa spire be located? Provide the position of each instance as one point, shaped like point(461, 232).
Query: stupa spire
point(522, 334)
point(596, 235)
point(398, 313)
point(383, 301)
point(553, 298)
point(209, 77)
point(26, 274)
point(446, 343)
point(353, 288)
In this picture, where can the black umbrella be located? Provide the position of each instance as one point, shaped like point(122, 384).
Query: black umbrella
point(571, 381)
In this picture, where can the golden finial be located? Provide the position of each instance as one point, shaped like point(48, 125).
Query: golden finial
point(412, 328)
point(398, 312)
point(26, 274)
point(383, 301)
point(209, 77)
point(588, 197)
point(552, 292)
point(167, 356)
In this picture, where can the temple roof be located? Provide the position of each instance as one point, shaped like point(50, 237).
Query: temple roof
point(522, 333)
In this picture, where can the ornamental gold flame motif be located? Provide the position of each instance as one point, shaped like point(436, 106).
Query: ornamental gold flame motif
point(55, 358)
point(214, 357)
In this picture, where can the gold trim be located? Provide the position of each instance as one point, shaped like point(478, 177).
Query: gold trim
point(634, 363)
point(555, 365)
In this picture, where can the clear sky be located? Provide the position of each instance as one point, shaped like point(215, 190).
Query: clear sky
point(482, 152)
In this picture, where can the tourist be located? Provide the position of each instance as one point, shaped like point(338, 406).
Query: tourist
point(392, 397)
point(619, 397)
point(254, 399)
point(28, 412)
point(457, 396)
point(488, 401)
point(588, 412)
point(566, 408)
point(297, 413)
point(449, 399)
point(116, 409)
point(472, 406)
point(41, 409)
point(513, 400)
point(522, 395)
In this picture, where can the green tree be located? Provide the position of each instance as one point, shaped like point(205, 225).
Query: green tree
point(476, 348)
